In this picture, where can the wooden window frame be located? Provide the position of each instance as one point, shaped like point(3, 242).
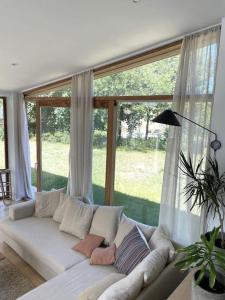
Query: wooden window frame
point(106, 102)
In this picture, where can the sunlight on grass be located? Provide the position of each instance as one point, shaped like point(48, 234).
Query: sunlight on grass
point(138, 173)
point(138, 177)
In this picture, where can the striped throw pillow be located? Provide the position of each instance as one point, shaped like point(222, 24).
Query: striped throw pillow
point(133, 249)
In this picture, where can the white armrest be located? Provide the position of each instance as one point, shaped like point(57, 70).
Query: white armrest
point(22, 210)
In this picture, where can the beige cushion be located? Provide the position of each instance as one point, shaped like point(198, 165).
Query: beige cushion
point(22, 210)
point(77, 218)
point(60, 210)
point(105, 222)
point(152, 265)
point(46, 203)
point(160, 239)
point(93, 292)
point(125, 226)
point(127, 288)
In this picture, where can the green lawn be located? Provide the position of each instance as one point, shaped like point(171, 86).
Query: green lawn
point(138, 177)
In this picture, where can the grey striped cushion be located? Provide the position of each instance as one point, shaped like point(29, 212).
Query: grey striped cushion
point(131, 251)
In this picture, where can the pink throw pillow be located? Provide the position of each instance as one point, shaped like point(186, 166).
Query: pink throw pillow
point(87, 245)
point(103, 256)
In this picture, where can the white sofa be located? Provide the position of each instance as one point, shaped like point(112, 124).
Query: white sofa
point(68, 273)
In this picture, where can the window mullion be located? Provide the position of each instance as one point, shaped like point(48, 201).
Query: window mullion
point(111, 152)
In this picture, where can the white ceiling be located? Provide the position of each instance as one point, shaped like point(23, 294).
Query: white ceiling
point(50, 39)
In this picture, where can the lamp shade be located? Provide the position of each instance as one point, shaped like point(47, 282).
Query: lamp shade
point(167, 117)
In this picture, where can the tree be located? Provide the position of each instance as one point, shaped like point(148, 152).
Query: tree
point(151, 79)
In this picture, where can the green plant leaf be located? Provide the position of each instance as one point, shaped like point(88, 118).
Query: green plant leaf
point(201, 275)
point(212, 275)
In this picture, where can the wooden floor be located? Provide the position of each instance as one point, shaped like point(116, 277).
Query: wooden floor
point(15, 259)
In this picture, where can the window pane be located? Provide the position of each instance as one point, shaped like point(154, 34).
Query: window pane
point(157, 78)
point(31, 118)
point(99, 154)
point(55, 124)
point(140, 156)
point(2, 137)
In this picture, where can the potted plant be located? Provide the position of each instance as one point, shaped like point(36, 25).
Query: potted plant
point(207, 282)
point(206, 188)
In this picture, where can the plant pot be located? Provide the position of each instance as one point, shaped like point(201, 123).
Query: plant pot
point(200, 293)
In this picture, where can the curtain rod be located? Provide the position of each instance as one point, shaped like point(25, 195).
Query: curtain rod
point(122, 57)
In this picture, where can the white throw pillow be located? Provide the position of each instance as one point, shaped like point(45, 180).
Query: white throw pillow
point(46, 203)
point(77, 218)
point(94, 291)
point(127, 288)
point(125, 226)
point(105, 222)
point(160, 239)
point(152, 265)
point(60, 210)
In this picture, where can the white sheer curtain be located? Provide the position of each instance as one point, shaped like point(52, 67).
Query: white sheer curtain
point(193, 98)
point(80, 178)
point(22, 164)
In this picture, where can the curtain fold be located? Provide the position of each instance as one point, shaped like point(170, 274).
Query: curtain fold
point(193, 98)
point(23, 162)
point(80, 177)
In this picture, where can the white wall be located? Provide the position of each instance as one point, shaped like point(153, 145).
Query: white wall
point(218, 114)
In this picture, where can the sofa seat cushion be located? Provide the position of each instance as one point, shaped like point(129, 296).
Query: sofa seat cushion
point(70, 284)
point(42, 238)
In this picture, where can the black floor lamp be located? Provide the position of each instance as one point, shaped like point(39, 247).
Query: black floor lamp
point(168, 117)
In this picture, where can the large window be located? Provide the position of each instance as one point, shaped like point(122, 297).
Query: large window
point(3, 135)
point(128, 150)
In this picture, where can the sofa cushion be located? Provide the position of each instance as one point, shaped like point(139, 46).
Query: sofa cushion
point(22, 210)
point(103, 256)
point(46, 203)
point(77, 218)
point(131, 251)
point(88, 245)
point(160, 239)
point(125, 226)
point(42, 238)
point(127, 288)
point(70, 284)
point(94, 291)
point(152, 265)
point(59, 212)
point(105, 222)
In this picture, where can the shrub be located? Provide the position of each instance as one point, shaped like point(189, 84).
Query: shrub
point(57, 137)
point(99, 139)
